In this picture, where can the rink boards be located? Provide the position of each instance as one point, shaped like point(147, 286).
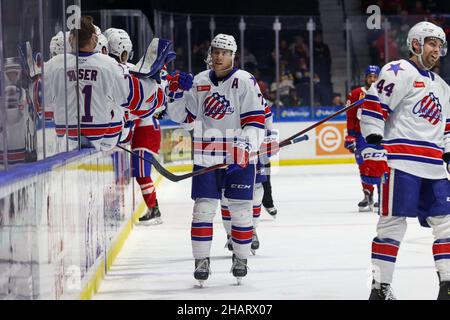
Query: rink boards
point(64, 219)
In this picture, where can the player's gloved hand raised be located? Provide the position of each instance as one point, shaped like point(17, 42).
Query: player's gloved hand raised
point(271, 144)
point(374, 166)
point(239, 157)
point(180, 81)
point(446, 158)
point(350, 143)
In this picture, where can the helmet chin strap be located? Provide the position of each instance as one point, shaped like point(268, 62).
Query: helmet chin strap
point(419, 56)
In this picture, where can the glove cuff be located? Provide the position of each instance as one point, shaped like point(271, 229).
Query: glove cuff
point(374, 139)
point(446, 157)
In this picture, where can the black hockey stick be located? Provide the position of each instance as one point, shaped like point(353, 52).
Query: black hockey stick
point(175, 178)
point(300, 136)
point(158, 166)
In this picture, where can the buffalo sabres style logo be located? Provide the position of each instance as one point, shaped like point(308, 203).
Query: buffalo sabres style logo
point(217, 106)
point(429, 108)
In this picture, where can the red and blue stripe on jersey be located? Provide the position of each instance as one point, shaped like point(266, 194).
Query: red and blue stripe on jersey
point(136, 96)
point(14, 156)
point(447, 126)
point(372, 108)
point(412, 150)
point(91, 131)
point(253, 118)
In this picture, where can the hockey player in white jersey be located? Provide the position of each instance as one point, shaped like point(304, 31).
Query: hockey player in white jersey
point(145, 132)
point(105, 91)
point(229, 122)
point(406, 122)
point(270, 142)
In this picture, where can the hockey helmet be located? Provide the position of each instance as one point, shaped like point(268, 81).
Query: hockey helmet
point(222, 41)
point(119, 43)
point(372, 69)
point(423, 30)
point(57, 44)
point(102, 43)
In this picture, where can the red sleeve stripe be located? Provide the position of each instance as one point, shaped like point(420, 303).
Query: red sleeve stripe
point(136, 96)
point(253, 120)
point(372, 106)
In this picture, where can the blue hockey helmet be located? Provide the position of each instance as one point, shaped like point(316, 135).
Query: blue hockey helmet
point(372, 69)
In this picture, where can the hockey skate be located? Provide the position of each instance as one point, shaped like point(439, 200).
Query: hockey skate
point(381, 291)
point(151, 217)
point(229, 243)
point(202, 270)
point(444, 289)
point(255, 242)
point(239, 268)
point(366, 204)
point(272, 211)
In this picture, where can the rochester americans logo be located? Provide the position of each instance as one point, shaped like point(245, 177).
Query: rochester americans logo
point(217, 106)
point(429, 108)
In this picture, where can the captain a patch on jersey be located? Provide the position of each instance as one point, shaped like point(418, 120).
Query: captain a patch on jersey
point(216, 106)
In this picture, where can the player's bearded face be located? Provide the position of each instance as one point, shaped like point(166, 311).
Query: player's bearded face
point(371, 78)
point(222, 59)
point(431, 51)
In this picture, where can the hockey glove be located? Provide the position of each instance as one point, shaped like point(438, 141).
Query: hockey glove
point(240, 156)
point(350, 143)
point(178, 83)
point(446, 158)
point(127, 131)
point(271, 144)
point(374, 166)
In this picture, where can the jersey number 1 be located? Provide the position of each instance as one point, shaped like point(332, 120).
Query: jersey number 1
point(87, 91)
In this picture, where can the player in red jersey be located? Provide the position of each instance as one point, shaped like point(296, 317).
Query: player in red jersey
point(354, 141)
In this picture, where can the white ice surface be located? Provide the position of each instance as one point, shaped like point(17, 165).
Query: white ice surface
point(318, 247)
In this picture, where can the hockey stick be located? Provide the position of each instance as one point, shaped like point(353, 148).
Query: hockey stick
point(298, 137)
point(175, 178)
point(163, 171)
point(291, 139)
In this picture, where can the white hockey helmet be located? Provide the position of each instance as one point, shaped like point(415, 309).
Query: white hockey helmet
point(109, 32)
point(423, 30)
point(98, 31)
point(102, 43)
point(119, 43)
point(57, 44)
point(222, 41)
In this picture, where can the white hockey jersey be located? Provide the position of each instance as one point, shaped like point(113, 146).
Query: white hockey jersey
point(410, 108)
point(105, 90)
point(224, 111)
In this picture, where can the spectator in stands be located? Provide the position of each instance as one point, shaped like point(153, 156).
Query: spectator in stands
point(337, 100)
point(302, 80)
point(294, 99)
point(299, 48)
point(418, 9)
point(263, 86)
point(285, 85)
point(250, 62)
point(322, 67)
point(392, 46)
point(285, 52)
